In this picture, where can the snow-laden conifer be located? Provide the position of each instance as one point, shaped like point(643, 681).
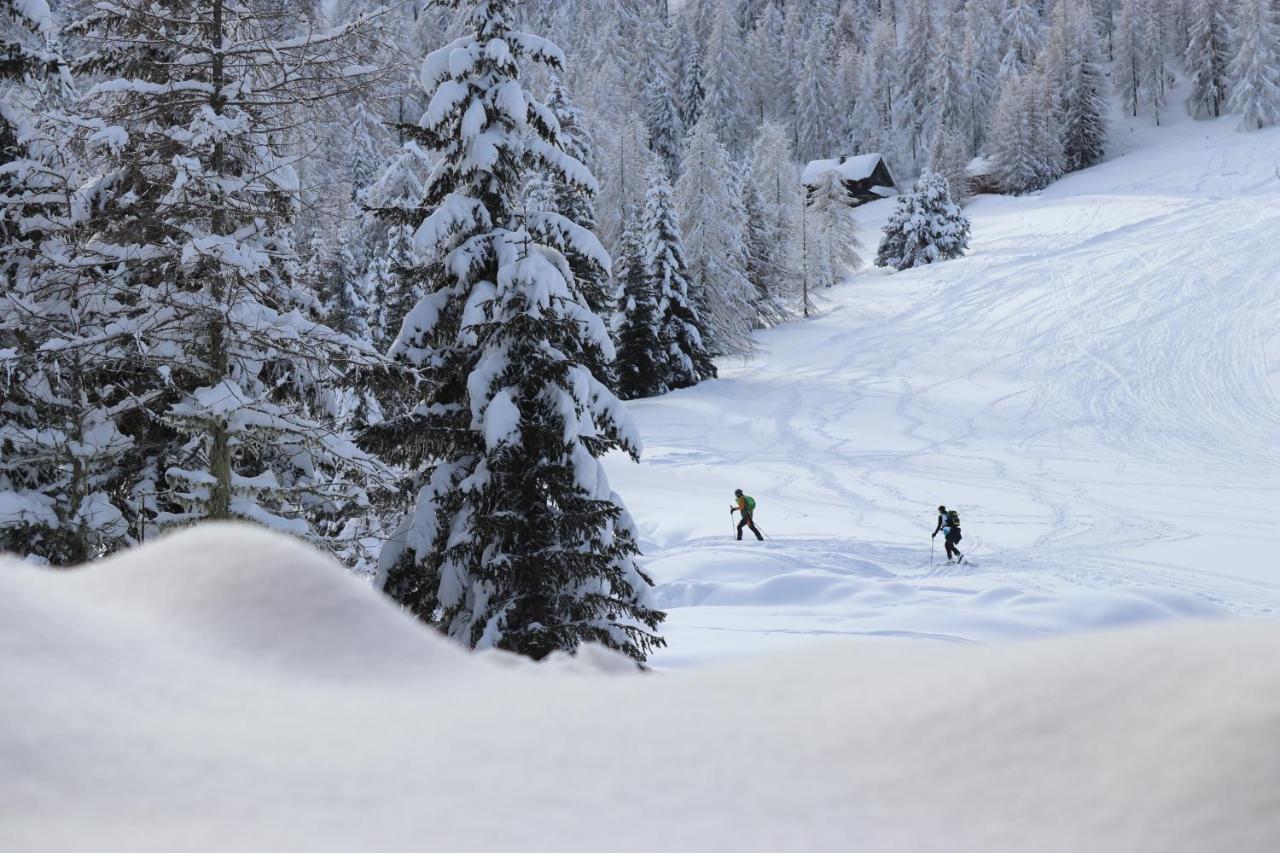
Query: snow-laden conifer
point(926, 227)
point(516, 540)
point(723, 81)
point(1207, 58)
point(1025, 142)
point(681, 327)
point(815, 99)
point(641, 364)
point(713, 222)
point(191, 225)
point(1255, 67)
point(765, 259)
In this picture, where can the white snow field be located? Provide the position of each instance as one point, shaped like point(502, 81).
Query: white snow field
point(1096, 388)
point(229, 689)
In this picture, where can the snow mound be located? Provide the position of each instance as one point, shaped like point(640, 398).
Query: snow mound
point(136, 715)
point(233, 592)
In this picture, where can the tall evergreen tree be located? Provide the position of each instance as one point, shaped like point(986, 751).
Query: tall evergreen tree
point(764, 264)
point(774, 171)
point(66, 382)
point(516, 541)
point(980, 65)
point(690, 93)
point(680, 326)
point(192, 225)
point(641, 365)
point(815, 99)
point(1206, 58)
point(723, 81)
point(1255, 67)
point(1025, 144)
point(712, 221)
point(916, 55)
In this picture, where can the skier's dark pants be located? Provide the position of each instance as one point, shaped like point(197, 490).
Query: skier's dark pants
point(953, 537)
point(747, 522)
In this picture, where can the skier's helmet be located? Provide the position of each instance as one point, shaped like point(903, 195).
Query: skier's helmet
point(738, 492)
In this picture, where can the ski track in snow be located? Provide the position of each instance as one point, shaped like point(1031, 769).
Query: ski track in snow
point(1095, 387)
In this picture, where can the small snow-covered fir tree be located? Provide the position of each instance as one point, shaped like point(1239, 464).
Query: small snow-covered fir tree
point(1207, 58)
point(680, 325)
point(713, 222)
point(516, 541)
point(1255, 67)
point(926, 227)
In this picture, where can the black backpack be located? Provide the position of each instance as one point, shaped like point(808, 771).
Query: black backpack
point(953, 518)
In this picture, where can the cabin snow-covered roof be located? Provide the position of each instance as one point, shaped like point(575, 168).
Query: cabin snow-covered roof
point(857, 168)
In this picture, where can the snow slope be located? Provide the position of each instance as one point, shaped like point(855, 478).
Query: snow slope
point(230, 689)
point(1096, 387)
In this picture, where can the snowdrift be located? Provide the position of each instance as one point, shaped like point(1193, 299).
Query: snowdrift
point(229, 689)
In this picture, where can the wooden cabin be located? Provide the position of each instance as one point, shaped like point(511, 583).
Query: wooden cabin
point(865, 177)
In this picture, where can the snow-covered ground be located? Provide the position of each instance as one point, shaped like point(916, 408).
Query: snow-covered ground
point(1096, 388)
point(231, 690)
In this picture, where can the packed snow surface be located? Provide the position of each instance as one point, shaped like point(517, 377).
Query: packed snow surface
point(230, 689)
point(1095, 387)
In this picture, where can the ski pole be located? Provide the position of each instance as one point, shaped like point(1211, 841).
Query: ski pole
point(931, 538)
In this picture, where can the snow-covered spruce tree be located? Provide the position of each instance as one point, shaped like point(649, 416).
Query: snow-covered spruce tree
point(661, 113)
point(914, 60)
point(776, 176)
point(815, 99)
point(641, 363)
point(979, 68)
point(722, 79)
point(872, 120)
point(689, 93)
point(1255, 67)
point(1126, 70)
point(1154, 81)
point(1025, 143)
point(713, 222)
point(1206, 58)
point(764, 260)
point(926, 227)
point(64, 358)
point(832, 231)
point(680, 326)
point(516, 541)
point(1076, 82)
point(1022, 37)
point(194, 216)
point(948, 96)
point(574, 200)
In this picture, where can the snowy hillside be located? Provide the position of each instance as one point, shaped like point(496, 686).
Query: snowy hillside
point(1096, 387)
point(230, 689)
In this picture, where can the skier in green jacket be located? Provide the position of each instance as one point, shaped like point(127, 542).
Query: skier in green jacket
point(746, 505)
